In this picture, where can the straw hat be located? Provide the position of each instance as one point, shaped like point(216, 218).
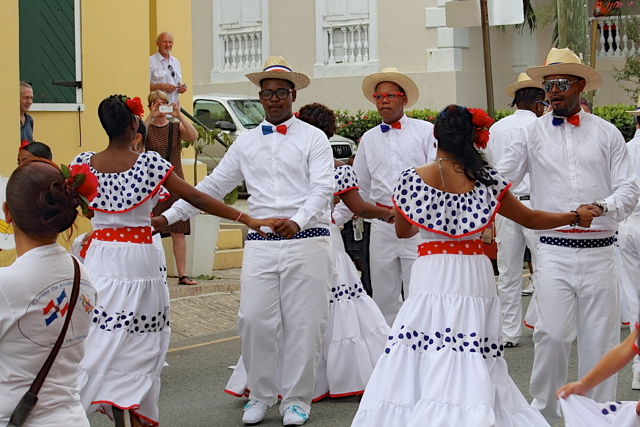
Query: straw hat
point(635, 112)
point(394, 76)
point(276, 67)
point(523, 81)
point(565, 61)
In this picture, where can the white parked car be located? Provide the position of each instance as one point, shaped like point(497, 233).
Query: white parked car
point(236, 114)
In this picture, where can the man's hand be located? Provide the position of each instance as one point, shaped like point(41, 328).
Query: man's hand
point(168, 87)
point(182, 89)
point(158, 223)
point(286, 228)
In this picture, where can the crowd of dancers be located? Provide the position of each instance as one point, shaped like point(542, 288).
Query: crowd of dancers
point(426, 349)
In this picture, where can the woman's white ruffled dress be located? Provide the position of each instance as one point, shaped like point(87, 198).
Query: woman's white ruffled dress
point(580, 411)
point(129, 337)
point(356, 331)
point(443, 364)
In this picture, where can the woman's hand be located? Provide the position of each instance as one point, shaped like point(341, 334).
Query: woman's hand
point(586, 216)
point(390, 216)
point(176, 110)
point(255, 224)
point(571, 388)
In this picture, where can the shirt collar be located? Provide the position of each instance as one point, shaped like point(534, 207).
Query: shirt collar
point(522, 112)
point(159, 56)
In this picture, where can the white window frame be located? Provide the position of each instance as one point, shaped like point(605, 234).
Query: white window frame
point(78, 105)
point(217, 74)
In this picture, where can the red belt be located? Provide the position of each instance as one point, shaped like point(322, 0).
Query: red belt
point(462, 247)
point(579, 230)
point(380, 205)
point(124, 234)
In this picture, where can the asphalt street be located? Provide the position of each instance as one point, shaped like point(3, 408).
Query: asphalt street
point(192, 386)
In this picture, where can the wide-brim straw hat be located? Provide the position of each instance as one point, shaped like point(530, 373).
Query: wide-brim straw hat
point(635, 112)
point(524, 81)
point(565, 61)
point(394, 76)
point(276, 67)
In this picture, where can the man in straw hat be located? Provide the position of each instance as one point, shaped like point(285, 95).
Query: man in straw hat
point(629, 241)
point(384, 152)
point(573, 158)
point(287, 165)
point(512, 238)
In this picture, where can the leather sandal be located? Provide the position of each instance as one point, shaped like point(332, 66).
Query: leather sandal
point(186, 280)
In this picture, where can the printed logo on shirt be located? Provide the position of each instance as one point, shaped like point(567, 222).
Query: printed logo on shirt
point(45, 314)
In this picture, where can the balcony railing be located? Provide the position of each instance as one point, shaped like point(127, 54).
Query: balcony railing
point(611, 38)
point(242, 49)
point(347, 43)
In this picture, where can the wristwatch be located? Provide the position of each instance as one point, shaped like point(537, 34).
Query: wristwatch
point(602, 204)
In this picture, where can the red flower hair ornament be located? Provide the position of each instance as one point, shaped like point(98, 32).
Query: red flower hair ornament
point(135, 105)
point(482, 121)
point(84, 183)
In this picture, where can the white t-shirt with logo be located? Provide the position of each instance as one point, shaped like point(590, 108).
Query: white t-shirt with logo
point(34, 295)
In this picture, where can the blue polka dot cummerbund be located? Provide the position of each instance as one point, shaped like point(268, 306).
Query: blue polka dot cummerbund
point(577, 243)
point(311, 232)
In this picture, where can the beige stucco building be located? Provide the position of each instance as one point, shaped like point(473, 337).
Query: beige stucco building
point(338, 42)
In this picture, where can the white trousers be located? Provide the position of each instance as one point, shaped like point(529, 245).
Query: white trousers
point(577, 297)
point(284, 288)
point(512, 239)
point(629, 241)
point(390, 259)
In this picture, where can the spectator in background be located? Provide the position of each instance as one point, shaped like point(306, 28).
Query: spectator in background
point(33, 151)
point(26, 121)
point(164, 69)
point(586, 105)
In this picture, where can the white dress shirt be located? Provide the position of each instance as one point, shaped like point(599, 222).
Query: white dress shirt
point(571, 165)
point(382, 157)
point(159, 72)
point(633, 147)
point(288, 176)
point(502, 133)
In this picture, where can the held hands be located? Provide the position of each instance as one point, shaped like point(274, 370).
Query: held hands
point(158, 223)
point(587, 213)
point(389, 216)
point(255, 224)
point(571, 388)
point(286, 228)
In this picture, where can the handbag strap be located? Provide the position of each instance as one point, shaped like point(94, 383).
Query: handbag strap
point(170, 145)
point(44, 371)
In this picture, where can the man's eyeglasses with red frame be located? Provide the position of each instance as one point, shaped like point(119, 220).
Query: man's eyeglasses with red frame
point(378, 97)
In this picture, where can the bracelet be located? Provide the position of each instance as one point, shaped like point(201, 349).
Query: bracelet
point(577, 220)
point(239, 216)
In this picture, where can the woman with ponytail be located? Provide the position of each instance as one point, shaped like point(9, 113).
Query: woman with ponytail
point(444, 356)
point(35, 293)
point(129, 336)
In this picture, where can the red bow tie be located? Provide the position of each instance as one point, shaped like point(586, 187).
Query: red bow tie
point(574, 120)
point(266, 130)
point(385, 128)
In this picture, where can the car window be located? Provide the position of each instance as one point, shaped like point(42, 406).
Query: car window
point(249, 111)
point(210, 112)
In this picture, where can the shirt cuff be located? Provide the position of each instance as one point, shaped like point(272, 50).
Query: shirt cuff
point(298, 219)
point(172, 216)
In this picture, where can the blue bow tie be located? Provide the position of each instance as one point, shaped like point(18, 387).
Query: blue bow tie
point(266, 129)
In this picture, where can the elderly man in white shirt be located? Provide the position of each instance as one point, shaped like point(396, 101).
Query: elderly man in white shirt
point(573, 158)
point(512, 238)
point(287, 165)
point(384, 152)
point(164, 70)
point(629, 240)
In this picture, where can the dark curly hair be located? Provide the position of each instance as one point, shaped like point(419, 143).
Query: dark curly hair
point(114, 115)
point(319, 116)
point(454, 131)
point(527, 97)
point(41, 202)
point(39, 149)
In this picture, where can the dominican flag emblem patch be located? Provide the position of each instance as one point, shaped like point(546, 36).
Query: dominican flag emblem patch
point(57, 307)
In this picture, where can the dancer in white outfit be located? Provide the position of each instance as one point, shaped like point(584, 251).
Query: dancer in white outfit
point(444, 363)
point(512, 238)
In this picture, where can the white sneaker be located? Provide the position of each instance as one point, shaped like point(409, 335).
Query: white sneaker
point(294, 416)
point(254, 412)
point(635, 383)
point(529, 289)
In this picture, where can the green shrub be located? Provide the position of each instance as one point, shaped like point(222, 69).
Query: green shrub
point(618, 116)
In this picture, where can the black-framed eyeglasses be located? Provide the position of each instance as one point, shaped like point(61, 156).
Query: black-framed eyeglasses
point(561, 84)
point(267, 94)
point(173, 73)
point(543, 102)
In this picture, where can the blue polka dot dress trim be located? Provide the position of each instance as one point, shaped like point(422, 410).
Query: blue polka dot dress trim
point(124, 191)
point(304, 234)
point(133, 323)
point(346, 179)
point(577, 243)
point(345, 292)
point(449, 214)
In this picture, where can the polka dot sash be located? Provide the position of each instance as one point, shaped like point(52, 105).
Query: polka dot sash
point(464, 247)
point(577, 243)
point(124, 234)
point(311, 232)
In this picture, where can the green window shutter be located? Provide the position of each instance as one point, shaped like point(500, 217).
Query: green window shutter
point(47, 48)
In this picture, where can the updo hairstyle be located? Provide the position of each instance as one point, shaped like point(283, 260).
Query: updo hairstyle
point(114, 115)
point(319, 116)
point(40, 201)
point(454, 131)
point(39, 149)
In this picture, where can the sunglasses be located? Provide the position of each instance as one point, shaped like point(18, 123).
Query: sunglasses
point(561, 84)
point(543, 102)
point(378, 97)
point(267, 94)
point(173, 73)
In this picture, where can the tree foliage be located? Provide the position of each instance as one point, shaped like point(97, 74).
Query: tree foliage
point(630, 72)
